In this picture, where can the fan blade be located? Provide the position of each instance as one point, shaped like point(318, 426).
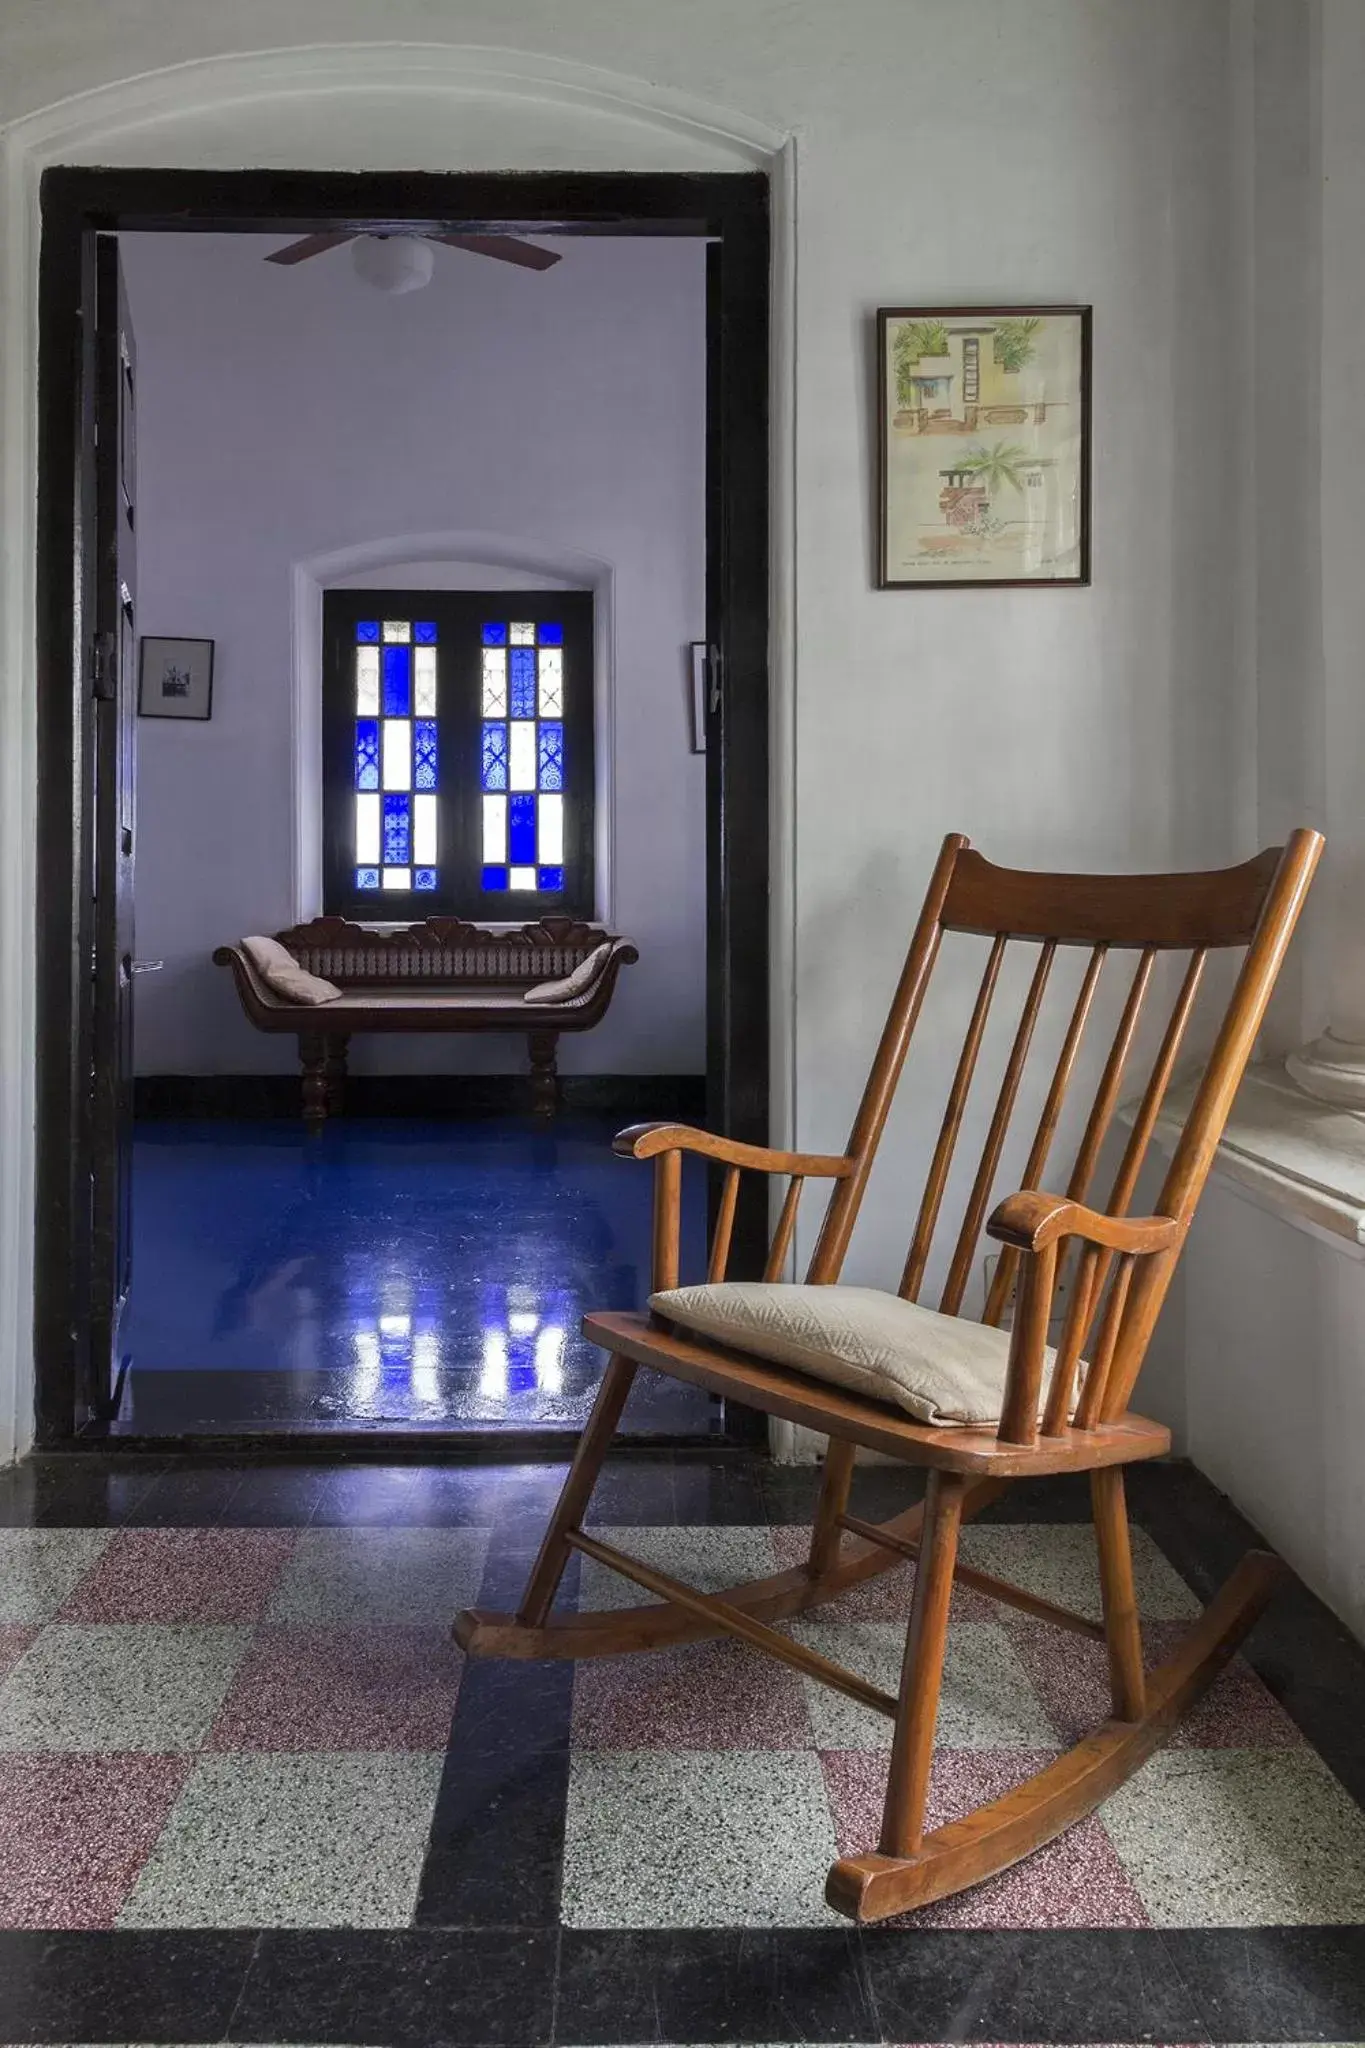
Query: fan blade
point(506, 248)
point(312, 245)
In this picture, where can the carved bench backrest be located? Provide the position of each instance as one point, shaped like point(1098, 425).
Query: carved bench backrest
point(441, 951)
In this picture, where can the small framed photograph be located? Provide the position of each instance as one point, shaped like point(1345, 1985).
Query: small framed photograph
point(175, 679)
point(983, 436)
point(698, 678)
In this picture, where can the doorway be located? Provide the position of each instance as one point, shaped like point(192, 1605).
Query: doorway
point(85, 1079)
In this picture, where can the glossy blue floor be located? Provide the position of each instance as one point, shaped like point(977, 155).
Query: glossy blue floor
point(389, 1273)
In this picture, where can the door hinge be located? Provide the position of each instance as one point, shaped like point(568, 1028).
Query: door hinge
point(104, 681)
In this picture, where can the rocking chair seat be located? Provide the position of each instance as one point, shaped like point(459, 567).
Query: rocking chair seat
point(944, 1370)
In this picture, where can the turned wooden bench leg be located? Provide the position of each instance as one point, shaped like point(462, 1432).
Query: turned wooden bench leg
point(544, 1073)
point(336, 1074)
point(313, 1058)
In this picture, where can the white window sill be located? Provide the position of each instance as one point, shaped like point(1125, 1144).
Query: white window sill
point(1299, 1158)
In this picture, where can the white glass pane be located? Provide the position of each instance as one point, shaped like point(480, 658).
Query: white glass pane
point(397, 753)
point(398, 878)
point(495, 830)
point(523, 635)
point(495, 682)
point(424, 831)
point(521, 878)
point(522, 757)
point(424, 681)
point(550, 842)
point(551, 682)
point(366, 682)
point(367, 831)
point(397, 629)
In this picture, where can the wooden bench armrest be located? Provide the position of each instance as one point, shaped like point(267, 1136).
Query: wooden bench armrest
point(647, 1141)
point(1031, 1220)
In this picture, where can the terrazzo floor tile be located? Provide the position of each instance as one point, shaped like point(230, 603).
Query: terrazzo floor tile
point(1240, 1838)
point(885, 1598)
point(708, 1558)
point(291, 1841)
point(170, 1575)
point(1071, 1675)
point(350, 1578)
point(15, 1638)
point(703, 1839)
point(342, 1689)
point(700, 1696)
point(118, 1686)
point(1076, 1881)
point(1057, 1561)
point(39, 1568)
point(987, 1700)
point(77, 1830)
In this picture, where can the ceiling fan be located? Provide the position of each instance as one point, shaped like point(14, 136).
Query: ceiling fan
point(503, 248)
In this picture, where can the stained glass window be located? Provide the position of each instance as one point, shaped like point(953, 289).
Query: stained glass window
point(523, 754)
point(397, 757)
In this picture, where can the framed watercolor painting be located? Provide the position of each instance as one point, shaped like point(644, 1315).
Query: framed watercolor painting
point(984, 441)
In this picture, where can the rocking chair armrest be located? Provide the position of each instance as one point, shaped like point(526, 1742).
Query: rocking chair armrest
point(647, 1141)
point(1031, 1220)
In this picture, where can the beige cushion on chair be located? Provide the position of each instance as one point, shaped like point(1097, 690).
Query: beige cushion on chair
point(942, 1369)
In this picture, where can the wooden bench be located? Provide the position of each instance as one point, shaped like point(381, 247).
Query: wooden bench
point(443, 975)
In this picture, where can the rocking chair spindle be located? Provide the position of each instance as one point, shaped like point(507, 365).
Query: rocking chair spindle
point(979, 1406)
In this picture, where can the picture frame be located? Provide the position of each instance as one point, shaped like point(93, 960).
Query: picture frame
point(175, 678)
point(698, 676)
point(983, 447)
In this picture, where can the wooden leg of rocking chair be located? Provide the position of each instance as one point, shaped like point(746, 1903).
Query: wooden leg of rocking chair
point(593, 1446)
point(912, 1747)
point(831, 1507)
point(1122, 1629)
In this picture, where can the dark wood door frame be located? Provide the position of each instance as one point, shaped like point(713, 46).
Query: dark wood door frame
point(731, 210)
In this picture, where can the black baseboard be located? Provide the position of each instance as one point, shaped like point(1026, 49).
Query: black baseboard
point(632, 1097)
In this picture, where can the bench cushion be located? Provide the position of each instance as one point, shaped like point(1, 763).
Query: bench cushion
point(284, 977)
point(941, 1369)
point(570, 985)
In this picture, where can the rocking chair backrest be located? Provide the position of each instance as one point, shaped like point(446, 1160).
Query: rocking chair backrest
point(1254, 906)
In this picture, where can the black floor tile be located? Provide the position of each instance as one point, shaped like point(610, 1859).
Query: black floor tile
point(719, 1491)
point(714, 1984)
point(275, 1497)
point(409, 1496)
point(418, 1986)
point(189, 1498)
point(162, 1986)
point(1275, 1983)
point(1059, 1985)
point(78, 1491)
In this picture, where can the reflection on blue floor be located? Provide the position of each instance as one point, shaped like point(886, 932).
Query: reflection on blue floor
point(387, 1272)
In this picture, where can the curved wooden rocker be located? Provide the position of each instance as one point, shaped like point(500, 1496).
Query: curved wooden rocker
point(1118, 1268)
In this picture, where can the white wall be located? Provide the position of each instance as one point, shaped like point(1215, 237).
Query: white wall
point(938, 150)
point(287, 413)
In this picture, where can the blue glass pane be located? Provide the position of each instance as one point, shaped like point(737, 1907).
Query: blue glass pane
point(368, 629)
point(397, 831)
point(495, 878)
point(397, 682)
point(550, 878)
point(521, 828)
point(367, 878)
point(549, 634)
point(367, 753)
point(424, 754)
point(521, 672)
point(424, 878)
point(495, 634)
point(494, 755)
point(424, 631)
point(551, 774)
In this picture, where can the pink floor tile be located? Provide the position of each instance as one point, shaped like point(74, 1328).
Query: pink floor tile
point(702, 1696)
point(885, 1598)
point(1076, 1881)
point(342, 1689)
point(1071, 1675)
point(15, 1637)
point(77, 1830)
point(182, 1575)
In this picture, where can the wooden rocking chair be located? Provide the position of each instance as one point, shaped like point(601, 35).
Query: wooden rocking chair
point(1119, 1270)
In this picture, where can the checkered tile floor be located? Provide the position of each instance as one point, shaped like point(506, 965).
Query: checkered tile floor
point(249, 1790)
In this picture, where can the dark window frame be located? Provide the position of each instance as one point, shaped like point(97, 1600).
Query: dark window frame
point(459, 616)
